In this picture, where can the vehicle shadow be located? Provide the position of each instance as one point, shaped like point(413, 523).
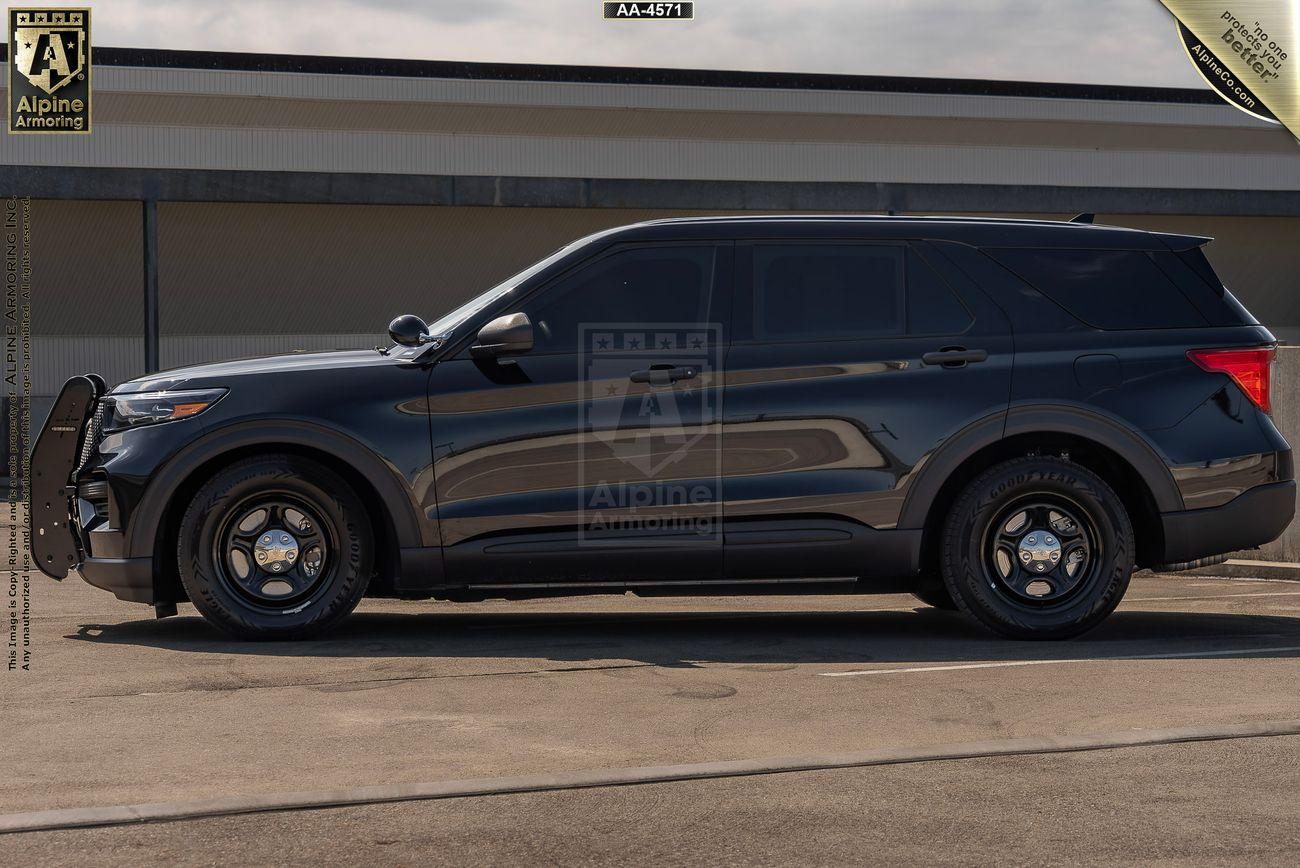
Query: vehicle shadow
point(668, 638)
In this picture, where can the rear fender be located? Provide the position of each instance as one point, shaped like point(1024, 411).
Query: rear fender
point(1066, 419)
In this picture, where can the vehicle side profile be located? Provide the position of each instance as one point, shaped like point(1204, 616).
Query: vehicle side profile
point(1005, 417)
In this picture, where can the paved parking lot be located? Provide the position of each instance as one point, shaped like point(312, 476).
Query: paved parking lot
point(124, 709)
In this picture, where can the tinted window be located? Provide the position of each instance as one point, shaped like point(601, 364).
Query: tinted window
point(827, 291)
point(1107, 289)
point(651, 286)
point(1190, 272)
point(932, 308)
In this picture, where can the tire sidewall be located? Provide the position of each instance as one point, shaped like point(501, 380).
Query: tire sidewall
point(336, 504)
point(968, 524)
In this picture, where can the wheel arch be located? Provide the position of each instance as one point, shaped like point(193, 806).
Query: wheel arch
point(1114, 452)
point(156, 522)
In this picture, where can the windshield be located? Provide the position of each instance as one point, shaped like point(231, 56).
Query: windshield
point(448, 322)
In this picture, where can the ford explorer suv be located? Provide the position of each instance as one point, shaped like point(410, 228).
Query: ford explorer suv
point(1004, 417)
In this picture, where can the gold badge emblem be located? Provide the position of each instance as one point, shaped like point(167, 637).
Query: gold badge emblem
point(49, 70)
point(1246, 51)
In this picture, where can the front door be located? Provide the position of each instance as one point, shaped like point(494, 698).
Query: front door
point(850, 362)
point(596, 456)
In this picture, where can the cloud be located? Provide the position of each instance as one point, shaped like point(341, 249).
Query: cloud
point(1101, 41)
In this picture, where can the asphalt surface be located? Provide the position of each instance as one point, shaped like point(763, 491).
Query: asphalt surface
point(120, 708)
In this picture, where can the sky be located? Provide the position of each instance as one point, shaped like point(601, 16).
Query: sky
point(1094, 41)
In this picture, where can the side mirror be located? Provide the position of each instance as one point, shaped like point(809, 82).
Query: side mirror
point(409, 331)
point(507, 335)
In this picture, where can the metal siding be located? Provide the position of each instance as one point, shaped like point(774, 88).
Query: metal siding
point(413, 153)
point(542, 93)
point(55, 358)
point(248, 269)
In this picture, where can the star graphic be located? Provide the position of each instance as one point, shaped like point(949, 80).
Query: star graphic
point(611, 389)
point(666, 344)
point(697, 343)
point(634, 344)
point(27, 45)
point(603, 343)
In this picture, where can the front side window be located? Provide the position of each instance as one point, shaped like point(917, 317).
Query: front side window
point(649, 285)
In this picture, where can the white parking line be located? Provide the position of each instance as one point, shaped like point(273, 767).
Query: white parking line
point(1003, 664)
point(1213, 597)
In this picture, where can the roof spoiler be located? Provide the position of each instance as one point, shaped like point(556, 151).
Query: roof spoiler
point(1178, 243)
point(1175, 241)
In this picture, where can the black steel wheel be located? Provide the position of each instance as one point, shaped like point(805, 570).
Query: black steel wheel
point(1039, 551)
point(1037, 548)
point(275, 547)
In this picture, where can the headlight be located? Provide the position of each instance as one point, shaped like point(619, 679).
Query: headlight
point(149, 408)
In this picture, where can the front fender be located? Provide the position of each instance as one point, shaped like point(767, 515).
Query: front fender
point(386, 479)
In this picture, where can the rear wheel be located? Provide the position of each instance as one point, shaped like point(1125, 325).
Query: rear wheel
point(275, 547)
point(1037, 548)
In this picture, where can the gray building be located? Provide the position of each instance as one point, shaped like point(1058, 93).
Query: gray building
point(233, 204)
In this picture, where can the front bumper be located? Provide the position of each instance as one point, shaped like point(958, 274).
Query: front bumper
point(129, 579)
point(1256, 516)
point(70, 527)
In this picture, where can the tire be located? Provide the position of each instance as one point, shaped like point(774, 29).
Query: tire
point(1022, 511)
point(313, 531)
point(932, 591)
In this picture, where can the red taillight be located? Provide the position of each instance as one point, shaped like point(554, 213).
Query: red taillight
point(1250, 369)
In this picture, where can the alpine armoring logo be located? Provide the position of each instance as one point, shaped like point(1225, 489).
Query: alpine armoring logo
point(49, 71)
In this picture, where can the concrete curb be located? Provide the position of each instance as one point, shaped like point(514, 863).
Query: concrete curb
point(1243, 569)
point(118, 815)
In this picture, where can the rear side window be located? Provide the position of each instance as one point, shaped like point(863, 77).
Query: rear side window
point(805, 292)
point(932, 307)
point(1107, 289)
point(1191, 272)
point(827, 291)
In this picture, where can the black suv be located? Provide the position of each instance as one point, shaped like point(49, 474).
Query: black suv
point(1004, 417)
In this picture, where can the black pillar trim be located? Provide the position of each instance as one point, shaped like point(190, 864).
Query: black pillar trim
point(150, 285)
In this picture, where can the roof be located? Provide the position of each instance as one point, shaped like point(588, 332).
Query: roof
point(981, 231)
point(454, 69)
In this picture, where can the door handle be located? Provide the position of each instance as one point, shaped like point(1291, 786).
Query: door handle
point(662, 375)
point(955, 357)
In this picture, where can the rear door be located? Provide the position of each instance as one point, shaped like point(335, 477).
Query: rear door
point(850, 361)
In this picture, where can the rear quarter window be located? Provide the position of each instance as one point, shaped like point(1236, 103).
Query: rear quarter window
point(1107, 289)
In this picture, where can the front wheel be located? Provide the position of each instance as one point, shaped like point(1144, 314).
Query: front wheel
point(1037, 548)
point(275, 547)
